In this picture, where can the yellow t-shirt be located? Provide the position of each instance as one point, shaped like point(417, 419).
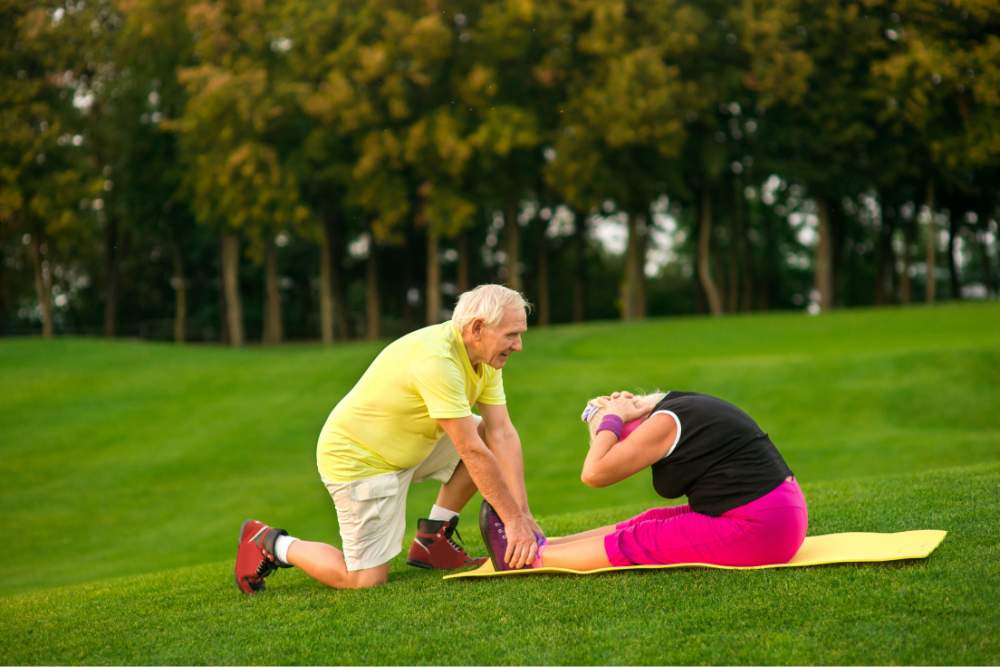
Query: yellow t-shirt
point(387, 422)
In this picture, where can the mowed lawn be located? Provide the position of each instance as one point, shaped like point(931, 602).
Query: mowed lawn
point(128, 468)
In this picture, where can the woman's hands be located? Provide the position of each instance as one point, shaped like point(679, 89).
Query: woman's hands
point(624, 404)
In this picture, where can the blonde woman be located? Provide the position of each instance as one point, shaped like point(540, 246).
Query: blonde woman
point(744, 505)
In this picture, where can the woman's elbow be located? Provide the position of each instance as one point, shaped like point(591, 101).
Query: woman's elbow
point(592, 479)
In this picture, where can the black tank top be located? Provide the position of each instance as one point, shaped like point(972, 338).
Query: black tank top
point(722, 460)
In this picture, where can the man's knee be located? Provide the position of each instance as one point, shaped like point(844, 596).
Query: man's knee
point(369, 577)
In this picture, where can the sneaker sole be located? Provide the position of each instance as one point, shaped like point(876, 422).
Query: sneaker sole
point(427, 566)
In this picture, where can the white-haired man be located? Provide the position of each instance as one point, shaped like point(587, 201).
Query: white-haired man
point(409, 418)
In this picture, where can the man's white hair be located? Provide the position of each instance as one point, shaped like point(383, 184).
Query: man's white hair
point(487, 303)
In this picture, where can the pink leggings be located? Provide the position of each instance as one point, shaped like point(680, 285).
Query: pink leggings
point(762, 532)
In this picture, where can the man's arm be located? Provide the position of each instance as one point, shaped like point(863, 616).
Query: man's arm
point(505, 443)
point(486, 472)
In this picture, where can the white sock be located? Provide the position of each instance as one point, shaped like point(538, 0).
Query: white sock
point(439, 513)
point(281, 547)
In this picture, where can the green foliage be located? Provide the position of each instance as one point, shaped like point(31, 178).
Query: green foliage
point(238, 101)
point(403, 118)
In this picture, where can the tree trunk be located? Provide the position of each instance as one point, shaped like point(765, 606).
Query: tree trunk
point(231, 288)
point(512, 231)
point(374, 306)
point(43, 285)
point(410, 285)
point(704, 254)
point(770, 263)
point(954, 229)
point(640, 268)
point(824, 256)
point(464, 284)
point(905, 281)
point(273, 333)
point(180, 296)
point(544, 309)
point(982, 234)
point(631, 299)
point(110, 274)
point(223, 314)
point(842, 252)
point(732, 275)
point(744, 254)
point(731, 268)
point(4, 299)
point(433, 279)
point(340, 326)
point(931, 242)
point(580, 284)
point(326, 260)
point(885, 259)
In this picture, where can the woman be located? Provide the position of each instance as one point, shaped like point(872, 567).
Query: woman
point(744, 506)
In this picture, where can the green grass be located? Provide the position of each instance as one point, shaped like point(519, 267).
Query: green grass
point(128, 468)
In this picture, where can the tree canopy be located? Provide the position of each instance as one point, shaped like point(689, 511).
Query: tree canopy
point(239, 169)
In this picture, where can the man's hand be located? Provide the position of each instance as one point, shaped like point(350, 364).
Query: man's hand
point(534, 525)
point(522, 548)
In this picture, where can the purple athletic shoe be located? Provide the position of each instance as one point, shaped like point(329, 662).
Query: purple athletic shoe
point(495, 537)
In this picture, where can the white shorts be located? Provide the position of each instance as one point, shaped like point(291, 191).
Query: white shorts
point(372, 511)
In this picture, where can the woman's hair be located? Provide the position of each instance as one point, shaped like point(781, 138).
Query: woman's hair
point(486, 303)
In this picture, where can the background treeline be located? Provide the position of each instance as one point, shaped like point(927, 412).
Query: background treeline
point(246, 169)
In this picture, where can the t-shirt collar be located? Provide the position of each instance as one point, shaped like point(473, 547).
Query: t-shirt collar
point(464, 353)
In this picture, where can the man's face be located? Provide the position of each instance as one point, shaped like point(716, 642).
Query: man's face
point(494, 345)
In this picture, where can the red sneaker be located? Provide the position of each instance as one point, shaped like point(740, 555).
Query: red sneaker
point(433, 547)
point(255, 557)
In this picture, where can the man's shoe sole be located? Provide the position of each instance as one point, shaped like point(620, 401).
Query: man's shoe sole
point(475, 562)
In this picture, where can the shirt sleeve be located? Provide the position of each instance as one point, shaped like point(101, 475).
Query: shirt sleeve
point(493, 393)
point(440, 384)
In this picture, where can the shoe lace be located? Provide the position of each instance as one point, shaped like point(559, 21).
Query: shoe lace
point(460, 544)
point(265, 567)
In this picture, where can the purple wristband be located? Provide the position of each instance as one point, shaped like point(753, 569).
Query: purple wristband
point(612, 423)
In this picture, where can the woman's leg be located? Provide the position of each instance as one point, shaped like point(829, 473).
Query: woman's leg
point(764, 531)
point(584, 553)
point(595, 532)
point(657, 513)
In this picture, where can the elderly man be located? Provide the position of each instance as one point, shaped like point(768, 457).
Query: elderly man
point(409, 418)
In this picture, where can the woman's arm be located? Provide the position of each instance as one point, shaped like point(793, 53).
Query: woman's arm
point(610, 461)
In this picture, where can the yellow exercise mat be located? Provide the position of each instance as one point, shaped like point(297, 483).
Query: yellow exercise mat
point(818, 550)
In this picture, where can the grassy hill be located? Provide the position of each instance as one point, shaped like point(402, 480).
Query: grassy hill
point(128, 468)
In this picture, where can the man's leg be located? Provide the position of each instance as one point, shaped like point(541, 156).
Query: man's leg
point(325, 563)
point(264, 549)
point(435, 544)
point(457, 491)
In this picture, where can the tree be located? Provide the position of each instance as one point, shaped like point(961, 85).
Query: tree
point(325, 38)
point(238, 178)
point(820, 136)
point(44, 178)
point(623, 117)
point(940, 85)
point(154, 43)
